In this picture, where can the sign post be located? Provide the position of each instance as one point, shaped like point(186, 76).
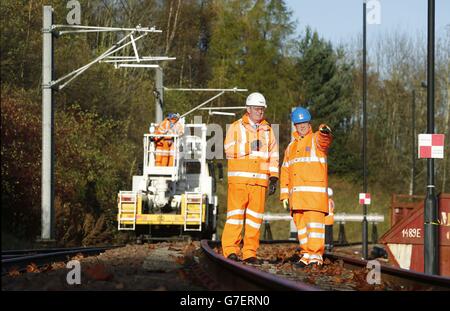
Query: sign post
point(431, 239)
point(47, 182)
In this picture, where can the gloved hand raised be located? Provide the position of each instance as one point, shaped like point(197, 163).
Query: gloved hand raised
point(272, 185)
point(325, 129)
point(286, 204)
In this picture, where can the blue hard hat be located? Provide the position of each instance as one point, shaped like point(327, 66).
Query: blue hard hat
point(300, 115)
point(172, 115)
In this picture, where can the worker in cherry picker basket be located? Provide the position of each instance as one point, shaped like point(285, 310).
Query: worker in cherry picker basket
point(165, 149)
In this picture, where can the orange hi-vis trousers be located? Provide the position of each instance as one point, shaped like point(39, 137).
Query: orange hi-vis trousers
point(245, 205)
point(164, 153)
point(311, 235)
point(329, 219)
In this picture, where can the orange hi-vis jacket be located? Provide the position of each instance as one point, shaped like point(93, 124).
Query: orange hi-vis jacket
point(165, 150)
point(304, 173)
point(247, 166)
point(170, 128)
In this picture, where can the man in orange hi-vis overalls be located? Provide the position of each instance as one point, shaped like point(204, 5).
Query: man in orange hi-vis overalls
point(252, 153)
point(304, 184)
point(164, 145)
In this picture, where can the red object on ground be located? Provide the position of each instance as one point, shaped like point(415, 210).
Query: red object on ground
point(404, 241)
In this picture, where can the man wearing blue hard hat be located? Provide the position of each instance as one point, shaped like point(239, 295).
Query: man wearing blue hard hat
point(304, 185)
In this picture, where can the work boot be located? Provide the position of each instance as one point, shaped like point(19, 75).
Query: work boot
point(300, 265)
point(253, 261)
point(233, 257)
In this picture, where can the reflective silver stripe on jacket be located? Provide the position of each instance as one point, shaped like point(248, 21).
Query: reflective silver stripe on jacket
point(252, 224)
point(243, 140)
point(248, 175)
point(309, 189)
point(235, 221)
point(236, 212)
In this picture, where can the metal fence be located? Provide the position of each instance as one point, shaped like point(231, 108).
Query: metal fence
point(340, 219)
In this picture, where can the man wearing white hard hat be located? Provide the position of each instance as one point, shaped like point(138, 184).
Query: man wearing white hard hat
point(252, 153)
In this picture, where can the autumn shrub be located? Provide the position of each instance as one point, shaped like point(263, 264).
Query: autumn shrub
point(93, 161)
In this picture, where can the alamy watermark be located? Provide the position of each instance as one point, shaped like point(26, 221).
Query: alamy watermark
point(74, 275)
point(215, 148)
point(374, 275)
point(74, 15)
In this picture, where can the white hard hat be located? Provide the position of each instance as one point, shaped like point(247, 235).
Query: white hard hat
point(330, 192)
point(256, 99)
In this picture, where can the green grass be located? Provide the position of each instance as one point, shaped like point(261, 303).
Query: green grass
point(346, 201)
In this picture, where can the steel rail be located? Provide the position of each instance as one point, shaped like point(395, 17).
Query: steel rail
point(20, 262)
point(30, 251)
point(250, 278)
point(242, 277)
point(398, 275)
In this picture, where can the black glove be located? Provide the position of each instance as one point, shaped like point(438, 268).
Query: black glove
point(156, 139)
point(325, 129)
point(256, 144)
point(273, 185)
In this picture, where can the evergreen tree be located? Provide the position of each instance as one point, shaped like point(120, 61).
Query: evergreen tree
point(248, 49)
point(325, 81)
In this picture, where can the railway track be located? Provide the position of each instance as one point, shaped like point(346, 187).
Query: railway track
point(204, 266)
point(20, 259)
point(338, 273)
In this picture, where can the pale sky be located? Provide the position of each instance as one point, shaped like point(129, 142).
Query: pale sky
point(341, 20)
